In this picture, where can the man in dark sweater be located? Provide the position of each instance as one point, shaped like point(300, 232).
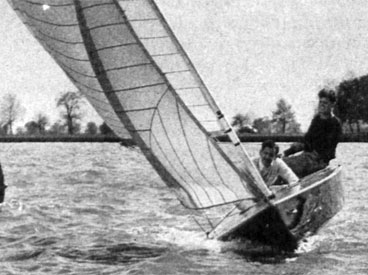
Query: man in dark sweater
point(320, 141)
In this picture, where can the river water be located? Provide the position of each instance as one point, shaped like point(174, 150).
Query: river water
point(99, 208)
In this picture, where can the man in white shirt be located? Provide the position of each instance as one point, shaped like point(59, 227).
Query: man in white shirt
point(271, 167)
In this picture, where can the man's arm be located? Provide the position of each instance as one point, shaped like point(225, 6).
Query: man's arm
point(305, 145)
point(286, 173)
point(294, 148)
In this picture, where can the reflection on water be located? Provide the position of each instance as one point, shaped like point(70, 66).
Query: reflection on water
point(101, 209)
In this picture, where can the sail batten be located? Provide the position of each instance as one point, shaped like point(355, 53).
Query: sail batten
point(147, 87)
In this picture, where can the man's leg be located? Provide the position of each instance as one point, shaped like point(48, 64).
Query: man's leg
point(304, 164)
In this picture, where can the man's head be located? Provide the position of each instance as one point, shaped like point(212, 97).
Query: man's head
point(327, 99)
point(268, 152)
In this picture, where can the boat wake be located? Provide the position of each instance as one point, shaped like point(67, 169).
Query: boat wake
point(196, 242)
point(309, 244)
point(188, 240)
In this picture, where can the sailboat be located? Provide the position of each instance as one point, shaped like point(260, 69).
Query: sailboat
point(123, 56)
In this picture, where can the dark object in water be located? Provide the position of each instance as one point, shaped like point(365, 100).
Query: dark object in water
point(2, 193)
point(2, 186)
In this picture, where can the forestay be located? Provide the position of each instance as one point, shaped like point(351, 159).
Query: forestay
point(123, 57)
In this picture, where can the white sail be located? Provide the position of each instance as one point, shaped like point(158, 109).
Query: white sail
point(113, 52)
point(160, 42)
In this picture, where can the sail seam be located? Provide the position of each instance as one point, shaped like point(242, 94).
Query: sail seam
point(78, 42)
point(46, 45)
point(107, 25)
point(51, 5)
point(165, 156)
point(97, 5)
point(62, 64)
point(113, 123)
point(46, 22)
point(101, 102)
point(176, 171)
point(86, 86)
point(157, 104)
point(192, 155)
point(177, 156)
point(116, 46)
point(137, 110)
point(135, 88)
point(216, 168)
point(57, 39)
point(51, 49)
point(128, 67)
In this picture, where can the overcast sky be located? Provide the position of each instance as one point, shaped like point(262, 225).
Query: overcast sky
point(249, 53)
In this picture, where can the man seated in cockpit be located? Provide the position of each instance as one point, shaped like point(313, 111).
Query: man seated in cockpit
point(271, 167)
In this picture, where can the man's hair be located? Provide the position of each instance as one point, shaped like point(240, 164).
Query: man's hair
point(329, 94)
point(270, 144)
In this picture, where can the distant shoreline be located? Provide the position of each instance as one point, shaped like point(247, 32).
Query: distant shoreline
point(37, 139)
point(362, 137)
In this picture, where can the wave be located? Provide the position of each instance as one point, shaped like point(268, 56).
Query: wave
point(123, 253)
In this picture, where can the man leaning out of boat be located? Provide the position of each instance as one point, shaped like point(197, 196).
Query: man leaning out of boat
point(320, 141)
point(271, 167)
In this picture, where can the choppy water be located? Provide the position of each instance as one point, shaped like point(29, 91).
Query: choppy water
point(101, 209)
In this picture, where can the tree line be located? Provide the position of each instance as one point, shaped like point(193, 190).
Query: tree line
point(352, 104)
point(351, 108)
point(69, 105)
point(283, 121)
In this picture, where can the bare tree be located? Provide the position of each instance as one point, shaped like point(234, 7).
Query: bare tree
point(10, 111)
point(71, 103)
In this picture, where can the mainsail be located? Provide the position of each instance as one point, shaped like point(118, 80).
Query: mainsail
point(124, 58)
